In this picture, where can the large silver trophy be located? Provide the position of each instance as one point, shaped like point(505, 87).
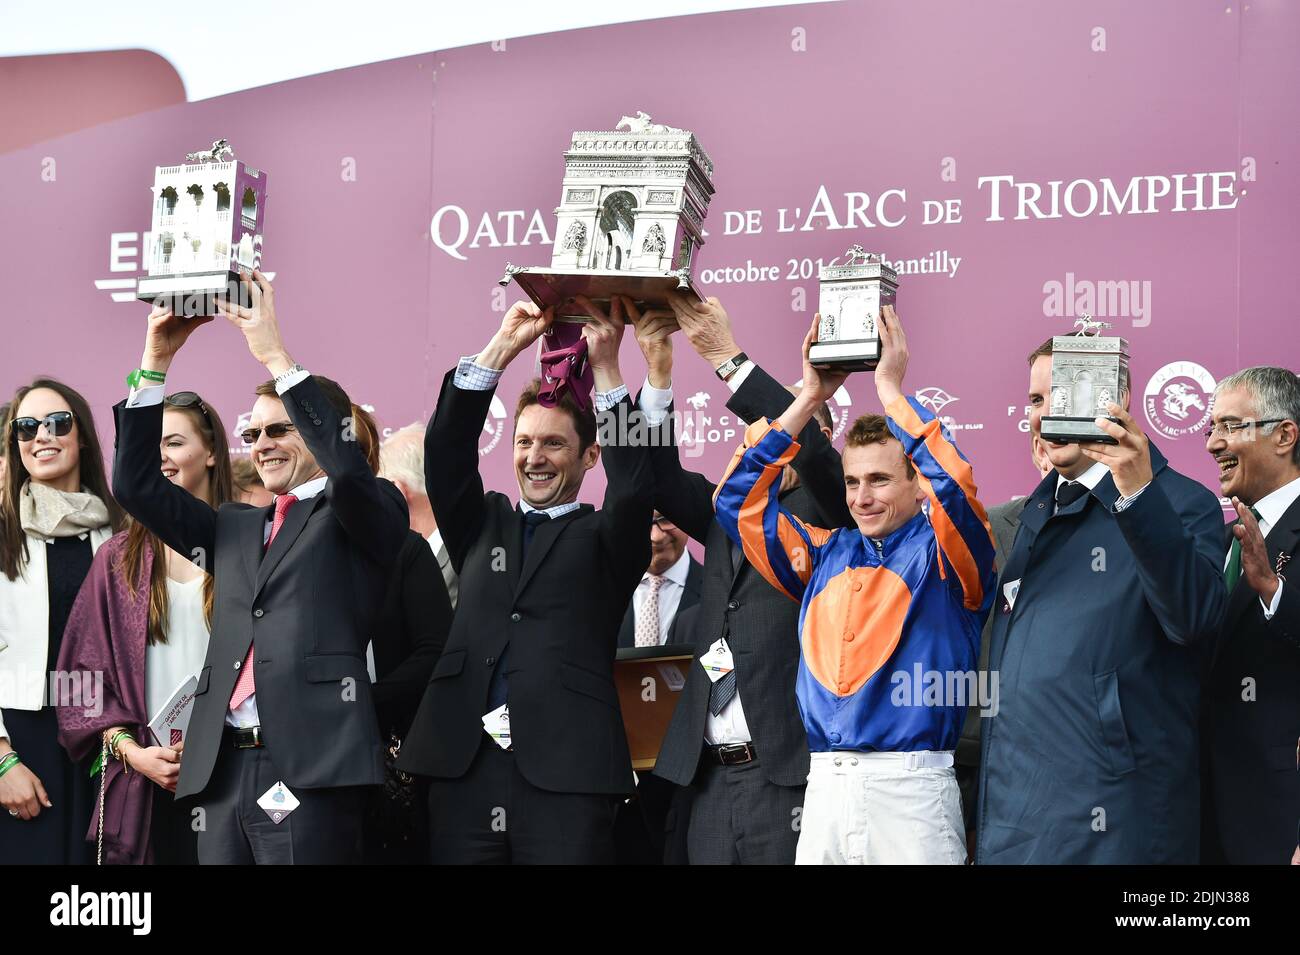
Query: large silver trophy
point(1088, 372)
point(630, 218)
point(851, 296)
point(208, 214)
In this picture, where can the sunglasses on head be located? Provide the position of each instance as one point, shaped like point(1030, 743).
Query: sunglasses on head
point(274, 431)
point(57, 423)
point(188, 399)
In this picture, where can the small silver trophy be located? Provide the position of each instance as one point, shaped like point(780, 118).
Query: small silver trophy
point(630, 218)
point(851, 296)
point(1088, 371)
point(208, 214)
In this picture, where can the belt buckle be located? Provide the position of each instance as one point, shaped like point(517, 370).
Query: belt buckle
point(741, 750)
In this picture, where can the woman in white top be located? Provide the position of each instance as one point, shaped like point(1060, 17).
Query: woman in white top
point(55, 511)
point(142, 619)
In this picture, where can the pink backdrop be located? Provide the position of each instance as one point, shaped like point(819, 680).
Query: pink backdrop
point(862, 97)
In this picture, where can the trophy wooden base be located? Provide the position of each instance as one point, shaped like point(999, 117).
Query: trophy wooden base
point(193, 295)
point(850, 356)
point(649, 681)
point(557, 287)
point(1070, 430)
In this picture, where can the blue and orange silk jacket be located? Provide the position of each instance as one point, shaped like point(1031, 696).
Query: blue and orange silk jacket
point(876, 617)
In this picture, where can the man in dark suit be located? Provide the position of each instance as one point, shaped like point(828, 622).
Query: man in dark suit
point(543, 589)
point(297, 588)
point(1113, 585)
point(738, 744)
point(670, 585)
point(1004, 521)
point(1251, 725)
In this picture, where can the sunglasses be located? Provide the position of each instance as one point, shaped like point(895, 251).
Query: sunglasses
point(274, 431)
point(664, 524)
point(57, 423)
point(188, 399)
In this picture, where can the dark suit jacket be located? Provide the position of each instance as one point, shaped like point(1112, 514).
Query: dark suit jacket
point(1098, 666)
point(409, 634)
point(308, 603)
point(1250, 737)
point(690, 597)
point(1004, 520)
point(760, 623)
point(559, 611)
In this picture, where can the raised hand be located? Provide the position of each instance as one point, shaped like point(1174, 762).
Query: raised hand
point(165, 335)
point(523, 324)
point(654, 331)
point(893, 356)
point(819, 384)
point(1129, 460)
point(1255, 568)
point(258, 323)
point(706, 326)
point(604, 335)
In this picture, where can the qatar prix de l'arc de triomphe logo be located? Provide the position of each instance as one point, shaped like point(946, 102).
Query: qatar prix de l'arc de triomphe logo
point(1177, 399)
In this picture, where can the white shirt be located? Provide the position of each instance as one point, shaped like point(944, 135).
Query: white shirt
point(1091, 478)
point(670, 594)
point(168, 665)
point(1271, 507)
point(729, 726)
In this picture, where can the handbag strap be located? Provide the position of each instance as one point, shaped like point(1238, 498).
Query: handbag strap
point(103, 777)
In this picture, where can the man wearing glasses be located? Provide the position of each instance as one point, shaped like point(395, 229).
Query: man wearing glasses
point(282, 737)
point(670, 586)
point(1251, 719)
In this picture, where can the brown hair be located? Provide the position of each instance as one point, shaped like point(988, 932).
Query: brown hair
point(220, 489)
point(584, 420)
point(244, 473)
point(333, 391)
point(1045, 351)
point(13, 542)
point(874, 429)
point(367, 432)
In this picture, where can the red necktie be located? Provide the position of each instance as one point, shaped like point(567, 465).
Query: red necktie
point(244, 686)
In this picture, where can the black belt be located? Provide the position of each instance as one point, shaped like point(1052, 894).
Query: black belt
point(731, 754)
point(245, 737)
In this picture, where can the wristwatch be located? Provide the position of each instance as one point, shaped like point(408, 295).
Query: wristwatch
point(728, 367)
point(292, 370)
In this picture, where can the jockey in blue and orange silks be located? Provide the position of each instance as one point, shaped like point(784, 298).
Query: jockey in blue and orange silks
point(896, 600)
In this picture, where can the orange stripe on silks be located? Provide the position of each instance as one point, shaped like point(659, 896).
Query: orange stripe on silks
point(749, 522)
point(753, 435)
point(852, 627)
point(954, 546)
point(797, 550)
point(905, 416)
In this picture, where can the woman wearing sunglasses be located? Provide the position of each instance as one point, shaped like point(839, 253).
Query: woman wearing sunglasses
point(143, 619)
point(56, 510)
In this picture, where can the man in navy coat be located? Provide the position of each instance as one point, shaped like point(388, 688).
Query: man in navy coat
point(1112, 593)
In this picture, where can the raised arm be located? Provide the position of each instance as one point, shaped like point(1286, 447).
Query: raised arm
point(186, 524)
point(371, 511)
point(778, 544)
point(960, 523)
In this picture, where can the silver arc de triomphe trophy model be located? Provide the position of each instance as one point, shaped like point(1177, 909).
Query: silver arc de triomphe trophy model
point(208, 214)
point(1088, 372)
point(850, 298)
point(630, 218)
point(630, 221)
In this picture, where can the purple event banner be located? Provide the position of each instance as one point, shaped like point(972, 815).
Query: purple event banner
point(1019, 162)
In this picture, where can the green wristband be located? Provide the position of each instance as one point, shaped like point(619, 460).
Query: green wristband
point(141, 374)
point(8, 762)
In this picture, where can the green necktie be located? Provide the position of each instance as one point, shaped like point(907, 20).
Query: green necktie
point(1233, 571)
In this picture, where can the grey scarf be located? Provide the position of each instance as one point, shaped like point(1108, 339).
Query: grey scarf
point(46, 513)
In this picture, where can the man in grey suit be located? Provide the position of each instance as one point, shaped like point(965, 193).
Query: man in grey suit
point(1004, 519)
point(738, 745)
